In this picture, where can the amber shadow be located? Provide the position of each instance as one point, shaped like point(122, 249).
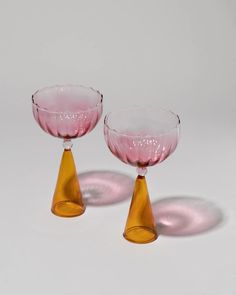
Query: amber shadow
point(102, 188)
point(186, 216)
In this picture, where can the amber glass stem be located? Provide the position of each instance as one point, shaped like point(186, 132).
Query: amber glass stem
point(67, 199)
point(140, 226)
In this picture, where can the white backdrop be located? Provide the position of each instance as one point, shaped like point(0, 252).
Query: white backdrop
point(179, 55)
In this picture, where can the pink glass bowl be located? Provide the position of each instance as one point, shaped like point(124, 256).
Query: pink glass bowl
point(142, 136)
point(67, 111)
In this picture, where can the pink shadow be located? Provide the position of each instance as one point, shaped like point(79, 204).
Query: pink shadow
point(186, 216)
point(101, 188)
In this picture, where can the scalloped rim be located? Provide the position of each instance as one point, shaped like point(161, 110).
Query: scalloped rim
point(141, 136)
point(66, 85)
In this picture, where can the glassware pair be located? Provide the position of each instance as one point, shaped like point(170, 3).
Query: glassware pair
point(139, 136)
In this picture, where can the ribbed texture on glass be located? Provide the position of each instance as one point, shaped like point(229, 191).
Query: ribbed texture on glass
point(67, 111)
point(141, 151)
point(67, 125)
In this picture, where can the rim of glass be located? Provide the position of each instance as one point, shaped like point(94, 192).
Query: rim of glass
point(100, 100)
point(177, 125)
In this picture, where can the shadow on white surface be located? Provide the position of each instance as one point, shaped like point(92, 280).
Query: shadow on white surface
point(186, 216)
point(101, 188)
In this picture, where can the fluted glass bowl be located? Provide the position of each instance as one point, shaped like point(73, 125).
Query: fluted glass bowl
point(67, 111)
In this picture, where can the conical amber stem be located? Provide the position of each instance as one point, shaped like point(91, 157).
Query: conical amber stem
point(140, 226)
point(67, 199)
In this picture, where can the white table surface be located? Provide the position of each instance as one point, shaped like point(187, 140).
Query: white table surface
point(174, 54)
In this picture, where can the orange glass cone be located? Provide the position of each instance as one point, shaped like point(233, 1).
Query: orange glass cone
point(67, 199)
point(140, 226)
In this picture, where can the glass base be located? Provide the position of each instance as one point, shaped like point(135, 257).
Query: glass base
point(67, 199)
point(140, 225)
point(140, 235)
point(67, 209)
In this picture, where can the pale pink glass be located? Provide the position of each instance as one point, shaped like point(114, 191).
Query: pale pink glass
point(67, 111)
point(141, 137)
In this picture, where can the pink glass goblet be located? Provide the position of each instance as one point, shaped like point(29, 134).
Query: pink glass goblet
point(67, 112)
point(141, 137)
